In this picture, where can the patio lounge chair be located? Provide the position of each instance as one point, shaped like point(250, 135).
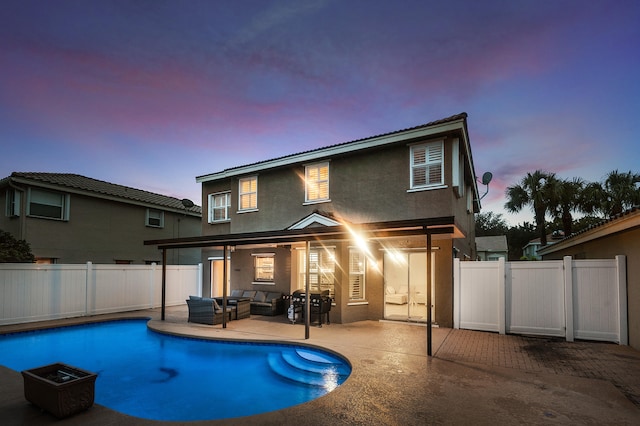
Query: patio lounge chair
point(206, 311)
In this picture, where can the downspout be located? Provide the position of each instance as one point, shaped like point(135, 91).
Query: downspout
point(429, 301)
point(23, 209)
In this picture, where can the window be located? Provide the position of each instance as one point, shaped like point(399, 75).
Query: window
point(264, 267)
point(322, 270)
point(48, 204)
point(357, 261)
point(427, 165)
point(155, 218)
point(219, 205)
point(13, 202)
point(248, 199)
point(316, 177)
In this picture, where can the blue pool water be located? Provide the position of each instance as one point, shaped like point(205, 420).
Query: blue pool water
point(160, 377)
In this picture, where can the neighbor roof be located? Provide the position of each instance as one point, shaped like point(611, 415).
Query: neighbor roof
point(454, 122)
point(81, 184)
point(492, 243)
point(624, 221)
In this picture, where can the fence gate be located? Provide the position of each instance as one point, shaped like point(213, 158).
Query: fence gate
point(583, 299)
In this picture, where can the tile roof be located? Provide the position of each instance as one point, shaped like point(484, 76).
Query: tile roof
point(492, 243)
point(456, 117)
point(83, 183)
point(603, 222)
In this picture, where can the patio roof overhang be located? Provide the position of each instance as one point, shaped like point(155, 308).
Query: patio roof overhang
point(442, 226)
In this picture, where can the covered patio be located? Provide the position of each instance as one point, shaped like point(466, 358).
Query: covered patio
point(360, 235)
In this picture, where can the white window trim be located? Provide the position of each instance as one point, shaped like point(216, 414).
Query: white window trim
point(65, 205)
point(427, 188)
point(148, 216)
point(240, 194)
point(212, 207)
point(437, 185)
point(307, 167)
point(358, 300)
point(264, 255)
point(14, 201)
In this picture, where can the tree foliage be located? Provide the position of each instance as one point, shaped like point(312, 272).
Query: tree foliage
point(490, 224)
point(13, 250)
point(560, 199)
point(618, 192)
point(537, 190)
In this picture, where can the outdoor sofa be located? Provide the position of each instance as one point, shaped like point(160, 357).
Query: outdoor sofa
point(204, 310)
point(262, 302)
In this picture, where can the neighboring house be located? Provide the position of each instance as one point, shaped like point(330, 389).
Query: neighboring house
point(619, 235)
point(492, 247)
point(530, 251)
point(367, 212)
point(68, 218)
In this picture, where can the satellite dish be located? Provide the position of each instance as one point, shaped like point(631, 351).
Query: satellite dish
point(188, 203)
point(486, 178)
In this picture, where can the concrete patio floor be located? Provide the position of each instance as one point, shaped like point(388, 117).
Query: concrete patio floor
point(473, 378)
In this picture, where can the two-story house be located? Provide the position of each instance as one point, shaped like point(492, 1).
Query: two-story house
point(68, 218)
point(361, 215)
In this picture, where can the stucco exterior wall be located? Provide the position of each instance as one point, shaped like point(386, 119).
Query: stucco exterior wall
point(242, 270)
point(364, 187)
point(624, 243)
point(104, 231)
point(367, 185)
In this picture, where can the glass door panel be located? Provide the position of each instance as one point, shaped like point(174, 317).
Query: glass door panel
point(405, 281)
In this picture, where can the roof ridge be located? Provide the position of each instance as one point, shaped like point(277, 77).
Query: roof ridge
point(77, 181)
point(460, 116)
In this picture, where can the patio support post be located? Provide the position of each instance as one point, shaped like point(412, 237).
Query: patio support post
point(307, 309)
point(164, 282)
point(225, 277)
point(429, 301)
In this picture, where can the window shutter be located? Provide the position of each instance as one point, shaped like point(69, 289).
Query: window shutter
point(356, 274)
point(426, 164)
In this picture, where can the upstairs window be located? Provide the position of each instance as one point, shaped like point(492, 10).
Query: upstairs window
point(155, 218)
point(316, 177)
point(264, 267)
point(427, 165)
point(48, 204)
point(13, 202)
point(219, 206)
point(248, 194)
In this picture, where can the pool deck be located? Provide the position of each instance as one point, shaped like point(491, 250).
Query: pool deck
point(473, 378)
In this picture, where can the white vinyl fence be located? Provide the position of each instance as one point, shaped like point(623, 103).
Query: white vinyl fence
point(31, 292)
point(584, 299)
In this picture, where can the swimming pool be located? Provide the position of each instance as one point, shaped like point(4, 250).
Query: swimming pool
point(155, 376)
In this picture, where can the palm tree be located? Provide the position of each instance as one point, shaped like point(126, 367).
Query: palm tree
point(619, 192)
point(535, 189)
point(567, 198)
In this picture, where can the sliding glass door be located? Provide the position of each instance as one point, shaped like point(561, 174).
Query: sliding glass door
point(405, 281)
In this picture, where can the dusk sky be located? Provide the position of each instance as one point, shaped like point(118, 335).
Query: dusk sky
point(151, 94)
